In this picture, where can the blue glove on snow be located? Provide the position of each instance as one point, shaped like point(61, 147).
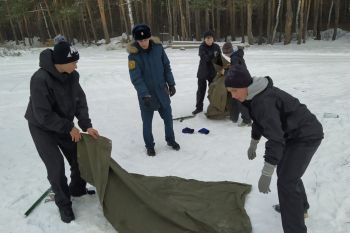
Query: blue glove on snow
point(203, 131)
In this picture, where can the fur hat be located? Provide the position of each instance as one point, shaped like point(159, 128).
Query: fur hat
point(238, 77)
point(141, 31)
point(64, 53)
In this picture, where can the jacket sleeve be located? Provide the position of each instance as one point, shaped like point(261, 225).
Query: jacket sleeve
point(136, 77)
point(256, 134)
point(269, 120)
point(42, 108)
point(82, 111)
point(169, 78)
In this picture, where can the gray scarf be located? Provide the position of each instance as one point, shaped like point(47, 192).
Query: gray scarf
point(259, 84)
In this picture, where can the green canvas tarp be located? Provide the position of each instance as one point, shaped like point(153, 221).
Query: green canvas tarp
point(135, 203)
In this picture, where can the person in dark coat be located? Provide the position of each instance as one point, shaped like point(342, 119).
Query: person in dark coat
point(208, 51)
point(150, 73)
point(56, 97)
point(236, 58)
point(293, 135)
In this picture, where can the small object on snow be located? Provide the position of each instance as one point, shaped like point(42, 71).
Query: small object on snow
point(203, 131)
point(37, 202)
point(330, 115)
point(181, 119)
point(182, 48)
point(187, 130)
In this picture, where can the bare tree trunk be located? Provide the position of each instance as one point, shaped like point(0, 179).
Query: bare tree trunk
point(232, 13)
point(27, 30)
point(289, 22)
point(268, 28)
point(301, 29)
point(87, 38)
point(307, 21)
point(318, 33)
point(110, 16)
point(170, 20)
point(21, 30)
point(47, 27)
point(336, 20)
point(277, 21)
point(207, 18)
point(11, 23)
point(131, 18)
point(281, 21)
point(249, 22)
point(218, 21)
point(330, 14)
point(197, 21)
point(242, 22)
point(183, 22)
point(123, 16)
point(175, 20)
point(149, 12)
point(297, 19)
point(91, 21)
point(50, 16)
point(261, 21)
point(316, 15)
point(101, 7)
point(188, 16)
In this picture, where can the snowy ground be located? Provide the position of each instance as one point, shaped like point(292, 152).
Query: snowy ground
point(317, 73)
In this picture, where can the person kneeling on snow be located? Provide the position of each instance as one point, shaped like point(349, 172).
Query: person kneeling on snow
point(293, 135)
point(56, 97)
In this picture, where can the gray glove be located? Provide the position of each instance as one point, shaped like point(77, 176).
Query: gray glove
point(265, 178)
point(252, 149)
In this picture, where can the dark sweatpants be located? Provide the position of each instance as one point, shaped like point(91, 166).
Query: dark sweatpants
point(291, 191)
point(201, 91)
point(48, 145)
point(237, 108)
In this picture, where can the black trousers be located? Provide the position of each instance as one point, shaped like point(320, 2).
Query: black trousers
point(49, 146)
point(237, 108)
point(201, 91)
point(291, 191)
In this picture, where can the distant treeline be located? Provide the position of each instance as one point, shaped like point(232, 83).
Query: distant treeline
point(256, 21)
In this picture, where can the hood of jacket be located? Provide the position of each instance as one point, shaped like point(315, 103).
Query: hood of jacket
point(46, 63)
point(258, 85)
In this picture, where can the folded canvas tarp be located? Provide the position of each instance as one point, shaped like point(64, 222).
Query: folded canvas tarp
point(135, 203)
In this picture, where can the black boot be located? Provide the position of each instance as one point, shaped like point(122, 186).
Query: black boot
point(174, 145)
point(197, 110)
point(151, 152)
point(67, 214)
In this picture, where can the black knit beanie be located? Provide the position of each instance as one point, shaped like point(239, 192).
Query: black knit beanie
point(141, 32)
point(238, 77)
point(64, 53)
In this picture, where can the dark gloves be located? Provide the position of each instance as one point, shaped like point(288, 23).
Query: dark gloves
point(172, 90)
point(147, 100)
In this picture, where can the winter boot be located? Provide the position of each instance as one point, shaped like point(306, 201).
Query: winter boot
point(196, 111)
point(174, 145)
point(67, 214)
point(278, 209)
point(151, 152)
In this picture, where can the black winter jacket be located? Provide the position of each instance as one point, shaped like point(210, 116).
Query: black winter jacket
point(56, 98)
point(207, 54)
point(281, 118)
